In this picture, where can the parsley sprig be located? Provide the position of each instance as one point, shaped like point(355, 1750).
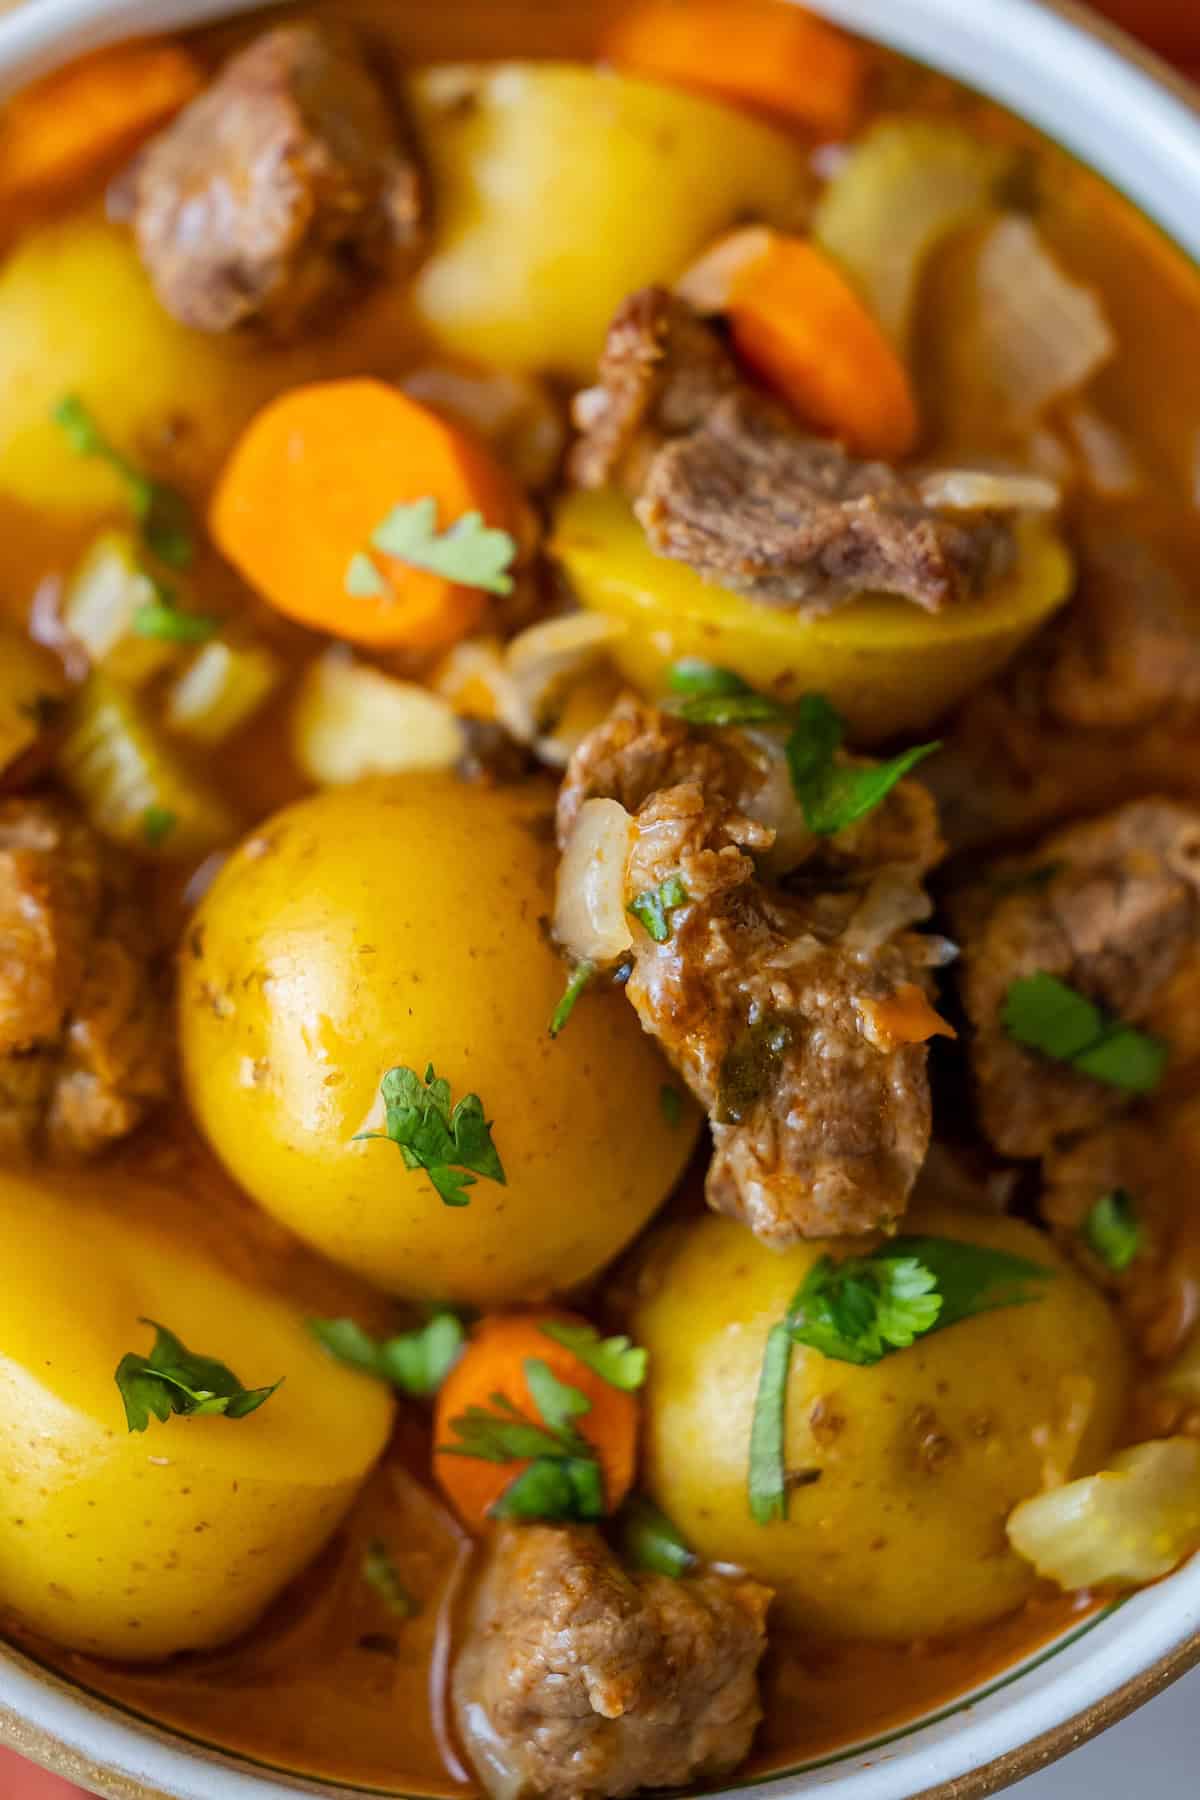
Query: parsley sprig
point(1112, 1230)
point(615, 1359)
point(172, 1379)
point(468, 551)
point(650, 1540)
point(832, 795)
point(577, 981)
point(416, 1362)
point(864, 1308)
point(653, 908)
point(563, 1479)
point(452, 1146)
point(162, 512)
point(1043, 1013)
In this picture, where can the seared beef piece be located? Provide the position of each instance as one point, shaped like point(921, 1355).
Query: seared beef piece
point(726, 481)
point(84, 1034)
point(1104, 705)
point(795, 522)
point(662, 371)
point(1112, 908)
point(579, 1681)
point(776, 1007)
point(277, 190)
point(1154, 1155)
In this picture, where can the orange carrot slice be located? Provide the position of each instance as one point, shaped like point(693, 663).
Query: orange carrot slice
point(494, 1363)
point(766, 55)
point(89, 115)
point(797, 322)
point(314, 477)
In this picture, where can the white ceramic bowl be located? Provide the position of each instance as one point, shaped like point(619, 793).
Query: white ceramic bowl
point(1119, 111)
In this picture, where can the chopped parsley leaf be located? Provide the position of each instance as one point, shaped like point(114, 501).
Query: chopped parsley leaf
point(859, 1310)
point(563, 1479)
point(653, 909)
point(739, 707)
point(649, 1540)
point(162, 619)
point(616, 1360)
point(1112, 1230)
point(469, 551)
point(1043, 1013)
point(834, 795)
point(158, 822)
point(383, 1578)
point(768, 1477)
point(416, 1362)
point(579, 979)
point(693, 678)
point(173, 1380)
point(452, 1147)
point(671, 1101)
point(163, 514)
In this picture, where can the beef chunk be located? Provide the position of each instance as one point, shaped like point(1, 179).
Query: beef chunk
point(1103, 706)
point(579, 1681)
point(84, 1035)
point(726, 481)
point(271, 196)
point(778, 1008)
point(1112, 908)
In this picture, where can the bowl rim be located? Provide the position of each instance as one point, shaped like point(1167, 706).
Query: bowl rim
point(1134, 120)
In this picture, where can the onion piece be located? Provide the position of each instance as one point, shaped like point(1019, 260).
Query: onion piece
point(350, 720)
point(905, 188)
point(548, 656)
point(1135, 1521)
point(983, 490)
point(709, 283)
point(220, 690)
point(590, 920)
point(1109, 465)
point(102, 599)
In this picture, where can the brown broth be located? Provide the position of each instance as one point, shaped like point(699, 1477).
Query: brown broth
point(330, 1684)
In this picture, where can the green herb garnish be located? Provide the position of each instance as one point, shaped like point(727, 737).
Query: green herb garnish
point(1112, 1230)
point(383, 1578)
point(172, 1380)
point(468, 551)
point(416, 1362)
point(158, 822)
point(563, 1480)
point(162, 512)
point(740, 706)
point(650, 1541)
point(615, 1359)
point(653, 909)
point(451, 1146)
point(1043, 1013)
point(578, 980)
point(671, 1101)
point(864, 1308)
point(693, 678)
point(833, 795)
point(162, 619)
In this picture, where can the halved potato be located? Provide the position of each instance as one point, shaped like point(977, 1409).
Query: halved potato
point(886, 665)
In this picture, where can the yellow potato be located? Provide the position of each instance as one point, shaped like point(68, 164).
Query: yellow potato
point(402, 922)
point(78, 315)
point(560, 189)
point(918, 1461)
point(886, 665)
point(137, 1545)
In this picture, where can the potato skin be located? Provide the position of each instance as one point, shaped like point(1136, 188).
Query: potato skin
point(920, 1458)
point(402, 921)
point(138, 1545)
point(560, 189)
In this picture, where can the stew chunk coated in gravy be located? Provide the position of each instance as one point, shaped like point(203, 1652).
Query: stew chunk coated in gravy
point(599, 891)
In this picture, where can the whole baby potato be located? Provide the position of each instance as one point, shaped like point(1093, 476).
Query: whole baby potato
point(903, 1473)
point(560, 189)
point(137, 1545)
point(402, 923)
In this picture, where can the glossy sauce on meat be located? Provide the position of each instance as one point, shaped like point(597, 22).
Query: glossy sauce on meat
point(326, 1686)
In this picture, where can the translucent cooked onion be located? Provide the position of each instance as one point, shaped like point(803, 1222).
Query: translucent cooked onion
point(1107, 461)
point(983, 490)
point(893, 902)
point(221, 688)
point(349, 721)
point(546, 658)
point(708, 284)
point(475, 679)
point(1039, 335)
point(590, 920)
point(1135, 1521)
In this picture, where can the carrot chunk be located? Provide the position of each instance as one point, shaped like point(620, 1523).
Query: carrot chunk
point(769, 56)
point(906, 1017)
point(799, 324)
point(87, 116)
point(315, 481)
point(493, 1371)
